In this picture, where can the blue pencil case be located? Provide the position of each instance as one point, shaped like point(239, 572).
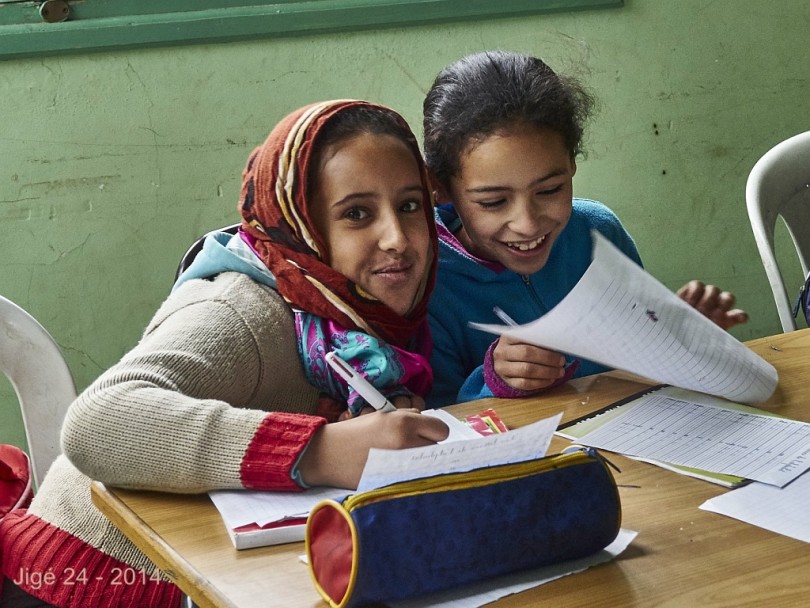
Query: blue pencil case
point(430, 534)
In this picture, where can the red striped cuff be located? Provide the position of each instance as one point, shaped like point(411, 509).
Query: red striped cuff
point(275, 449)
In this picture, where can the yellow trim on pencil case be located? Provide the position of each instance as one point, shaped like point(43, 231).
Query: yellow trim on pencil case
point(467, 479)
point(333, 504)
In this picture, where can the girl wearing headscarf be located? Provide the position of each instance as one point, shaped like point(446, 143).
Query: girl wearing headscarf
point(228, 387)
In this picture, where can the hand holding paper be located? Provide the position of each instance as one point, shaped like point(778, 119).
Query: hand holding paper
point(620, 316)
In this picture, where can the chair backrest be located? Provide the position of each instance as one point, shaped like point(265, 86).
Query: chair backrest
point(40, 377)
point(779, 186)
point(196, 247)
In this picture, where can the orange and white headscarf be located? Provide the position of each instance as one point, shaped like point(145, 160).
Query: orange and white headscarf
point(275, 207)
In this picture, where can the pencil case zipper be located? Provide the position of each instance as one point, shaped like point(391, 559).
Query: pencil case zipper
point(467, 479)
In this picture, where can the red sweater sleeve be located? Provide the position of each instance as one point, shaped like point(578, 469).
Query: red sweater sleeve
point(275, 448)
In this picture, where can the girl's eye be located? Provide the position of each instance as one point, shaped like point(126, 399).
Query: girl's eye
point(550, 191)
point(356, 214)
point(491, 204)
point(411, 206)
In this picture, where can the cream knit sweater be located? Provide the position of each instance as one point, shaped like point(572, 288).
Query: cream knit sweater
point(186, 410)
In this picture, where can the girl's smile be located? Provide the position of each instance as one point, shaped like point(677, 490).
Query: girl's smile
point(527, 246)
point(513, 193)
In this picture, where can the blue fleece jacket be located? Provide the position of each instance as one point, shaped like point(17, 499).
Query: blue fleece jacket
point(467, 290)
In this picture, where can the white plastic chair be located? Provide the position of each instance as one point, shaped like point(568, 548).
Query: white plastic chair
point(42, 380)
point(779, 186)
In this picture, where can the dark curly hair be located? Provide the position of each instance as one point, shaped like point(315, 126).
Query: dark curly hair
point(487, 92)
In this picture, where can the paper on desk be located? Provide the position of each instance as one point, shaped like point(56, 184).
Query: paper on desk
point(620, 316)
point(459, 430)
point(243, 507)
point(780, 510)
point(385, 467)
point(579, 428)
point(480, 594)
point(700, 431)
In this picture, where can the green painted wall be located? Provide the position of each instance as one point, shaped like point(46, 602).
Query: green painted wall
point(111, 163)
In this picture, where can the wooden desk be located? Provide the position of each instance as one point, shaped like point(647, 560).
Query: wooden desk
point(681, 557)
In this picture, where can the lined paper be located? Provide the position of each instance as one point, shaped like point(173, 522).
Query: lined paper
point(703, 433)
point(620, 316)
point(385, 467)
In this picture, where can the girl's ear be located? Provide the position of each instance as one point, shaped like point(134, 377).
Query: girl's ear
point(440, 194)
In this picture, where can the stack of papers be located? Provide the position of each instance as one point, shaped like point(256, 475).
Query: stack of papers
point(719, 441)
point(258, 519)
point(709, 435)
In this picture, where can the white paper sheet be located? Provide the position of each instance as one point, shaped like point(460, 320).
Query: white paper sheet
point(780, 510)
point(385, 467)
point(703, 432)
point(622, 317)
point(243, 507)
point(459, 431)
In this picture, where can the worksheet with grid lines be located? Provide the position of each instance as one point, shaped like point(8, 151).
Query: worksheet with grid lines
point(620, 316)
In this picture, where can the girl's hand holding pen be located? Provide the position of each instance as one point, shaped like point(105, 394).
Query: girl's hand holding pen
point(525, 366)
point(402, 402)
point(376, 400)
point(337, 453)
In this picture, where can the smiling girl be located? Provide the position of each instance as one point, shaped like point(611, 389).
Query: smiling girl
point(502, 132)
point(229, 387)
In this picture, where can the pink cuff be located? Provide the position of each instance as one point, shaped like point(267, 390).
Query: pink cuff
point(503, 390)
point(278, 443)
